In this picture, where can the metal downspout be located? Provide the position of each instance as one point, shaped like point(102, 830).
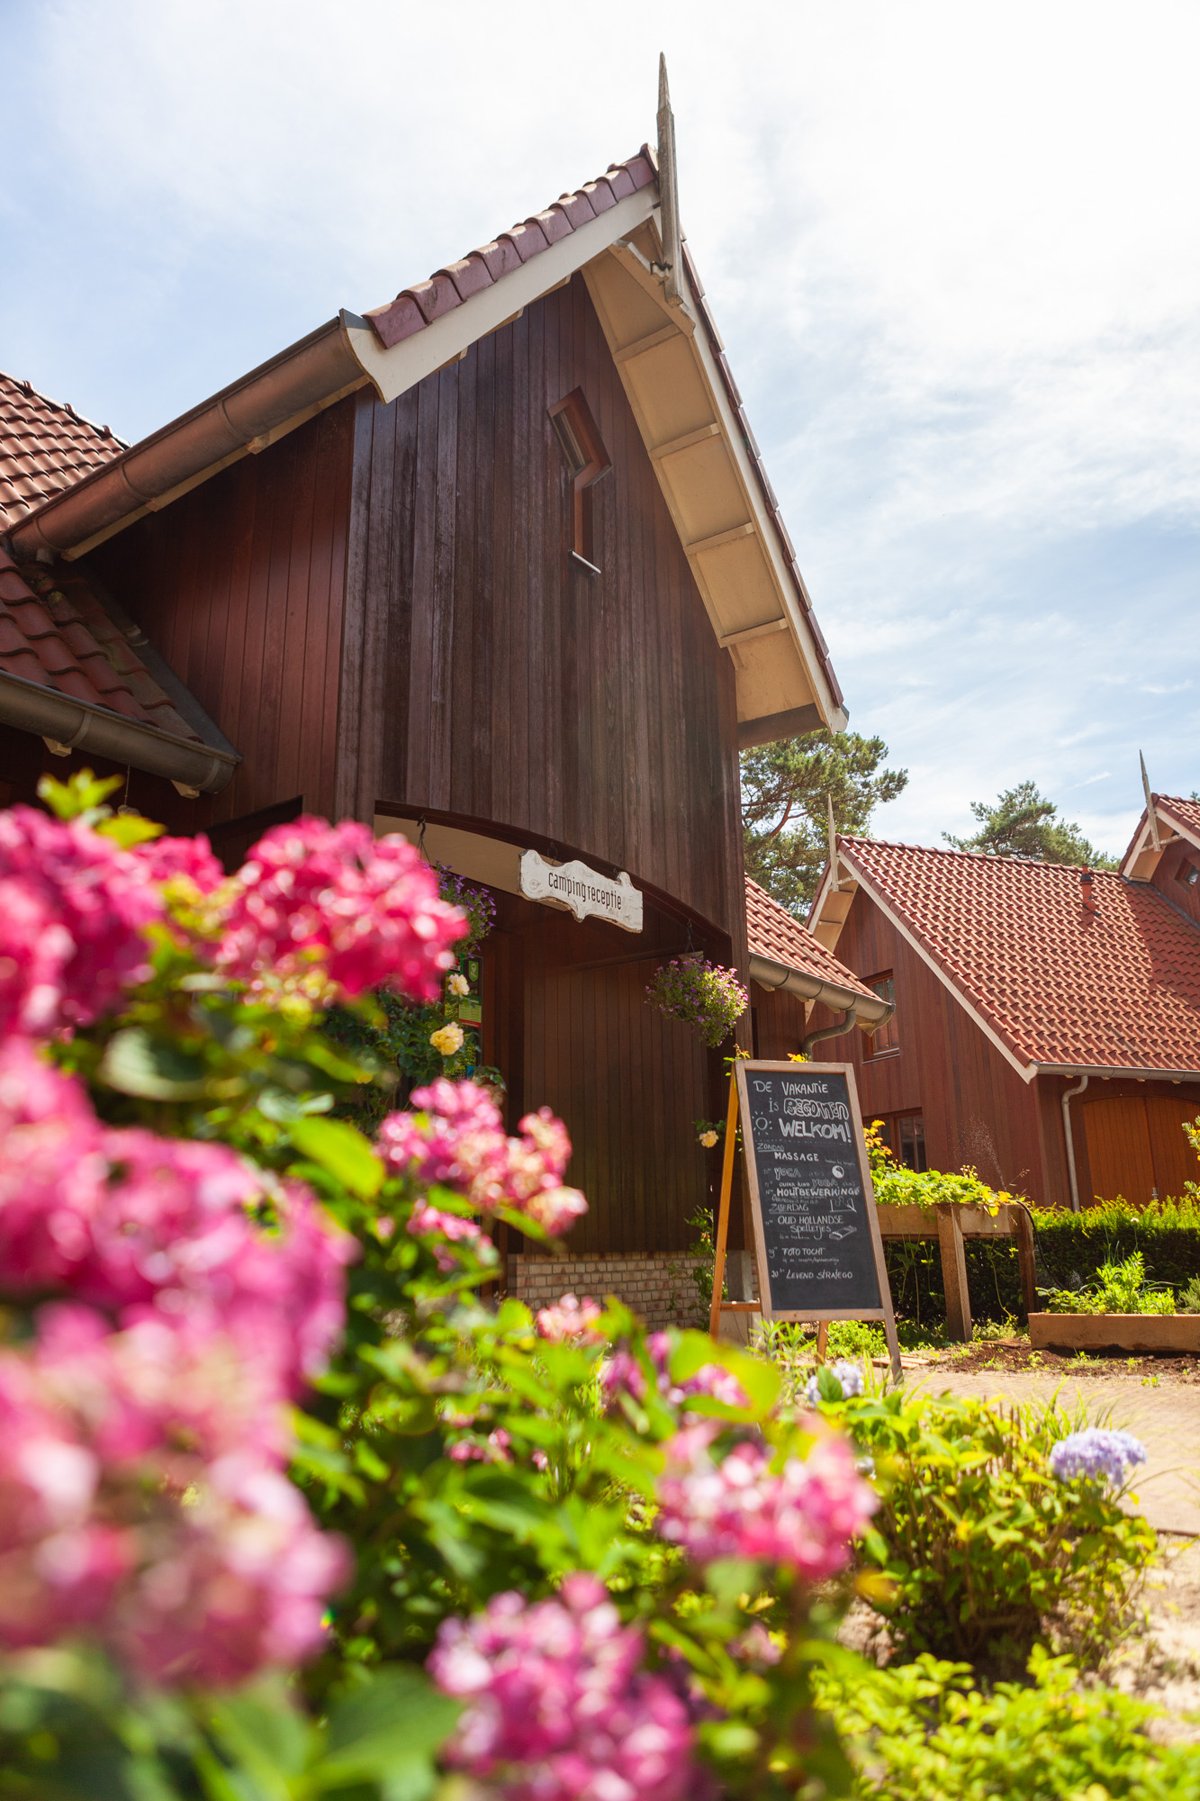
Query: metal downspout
point(834, 1031)
point(1068, 1096)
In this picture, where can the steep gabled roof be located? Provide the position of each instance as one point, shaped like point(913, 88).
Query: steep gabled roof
point(45, 448)
point(1174, 817)
point(673, 368)
point(779, 942)
point(1056, 983)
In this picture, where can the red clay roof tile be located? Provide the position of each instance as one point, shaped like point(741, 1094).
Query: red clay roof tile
point(1059, 984)
point(44, 448)
point(778, 937)
point(1183, 814)
point(60, 637)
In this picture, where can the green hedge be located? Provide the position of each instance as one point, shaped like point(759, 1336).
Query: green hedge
point(1070, 1249)
point(1072, 1246)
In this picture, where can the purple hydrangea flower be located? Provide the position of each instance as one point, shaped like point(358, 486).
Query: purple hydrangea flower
point(848, 1374)
point(1098, 1454)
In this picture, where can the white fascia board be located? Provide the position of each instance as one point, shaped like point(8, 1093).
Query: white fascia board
point(764, 525)
point(393, 372)
point(1179, 826)
point(1141, 844)
point(1026, 1071)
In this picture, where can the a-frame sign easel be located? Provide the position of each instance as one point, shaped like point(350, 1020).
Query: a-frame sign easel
point(818, 1249)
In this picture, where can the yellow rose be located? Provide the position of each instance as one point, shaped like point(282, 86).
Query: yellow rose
point(458, 985)
point(447, 1039)
point(708, 1139)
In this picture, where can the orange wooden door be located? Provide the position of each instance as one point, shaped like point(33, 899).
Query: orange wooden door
point(1119, 1150)
point(1174, 1159)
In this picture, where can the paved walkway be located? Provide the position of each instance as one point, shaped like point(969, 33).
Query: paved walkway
point(1166, 1419)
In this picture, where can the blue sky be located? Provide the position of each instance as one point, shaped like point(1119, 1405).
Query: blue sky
point(952, 251)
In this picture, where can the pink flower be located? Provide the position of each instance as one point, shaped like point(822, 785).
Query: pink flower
point(445, 1229)
point(624, 1374)
point(181, 861)
point(52, 1171)
point(141, 1500)
point(237, 1583)
point(59, 1564)
point(75, 909)
point(124, 1219)
point(558, 1707)
point(495, 1448)
point(801, 1517)
point(455, 1138)
point(571, 1319)
point(331, 907)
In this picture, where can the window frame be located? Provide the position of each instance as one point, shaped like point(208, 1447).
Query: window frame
point(588, 462)
point(873, 1049)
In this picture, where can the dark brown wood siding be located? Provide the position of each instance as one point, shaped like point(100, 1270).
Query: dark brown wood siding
point(490, 678)
point(976, 1108)
point(1170, 877)
point(240, 585)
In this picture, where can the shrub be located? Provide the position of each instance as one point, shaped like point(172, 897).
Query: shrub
point(921, 1731)
point(274, 1472)
point(990, 1554)
point(1115, 1288)
point(1072, 1246)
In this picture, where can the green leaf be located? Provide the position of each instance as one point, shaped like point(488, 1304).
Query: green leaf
point(341, 1150)
point(128, 829)
point(151, 1069)
point(387, 1731)
point(83, 793)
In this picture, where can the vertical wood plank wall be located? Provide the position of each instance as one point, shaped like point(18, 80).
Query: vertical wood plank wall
point(976, 1108)
point(1173, 865)
point(240, 586)
point(488, 677)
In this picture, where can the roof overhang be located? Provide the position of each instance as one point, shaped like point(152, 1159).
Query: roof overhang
point(1151, 839)
point(674, 373)
point(69, 724)
point(869, 1013)
point(1114, 1072)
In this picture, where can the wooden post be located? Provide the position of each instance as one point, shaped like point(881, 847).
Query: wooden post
point(1022, 1221)
point(723, 1205)
point(954, 1271)
point(822, 1339)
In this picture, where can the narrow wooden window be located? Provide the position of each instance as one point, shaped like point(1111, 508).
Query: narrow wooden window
point(587, 461)
point(886, 1037)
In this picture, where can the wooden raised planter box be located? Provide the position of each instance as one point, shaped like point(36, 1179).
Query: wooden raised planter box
point(1177, 1332)
point(952, 1224)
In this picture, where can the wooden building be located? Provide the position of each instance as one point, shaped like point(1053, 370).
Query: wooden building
point(1047, 1019)
point(496, 565)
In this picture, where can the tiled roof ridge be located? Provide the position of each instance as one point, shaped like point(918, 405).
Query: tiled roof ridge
point(61, 406)
point(417, 306)
point(978, 856)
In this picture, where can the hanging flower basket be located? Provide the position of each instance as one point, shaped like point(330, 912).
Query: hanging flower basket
point(703, 995)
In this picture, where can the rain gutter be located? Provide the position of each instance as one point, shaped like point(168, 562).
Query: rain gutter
point(1072, 1174)
point(244, 417)
point(771, 975)
point(68, 724)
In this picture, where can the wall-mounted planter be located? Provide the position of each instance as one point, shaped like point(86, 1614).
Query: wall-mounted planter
point(1177, 1332)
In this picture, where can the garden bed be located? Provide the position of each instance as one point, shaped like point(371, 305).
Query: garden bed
point(1177, 1333)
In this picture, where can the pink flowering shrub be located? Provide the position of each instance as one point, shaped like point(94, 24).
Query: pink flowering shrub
point(75, 908)
point(802, 1517)
point(338, 907)
point(263, 1411)
point(559, 1705)
point(454, 1137)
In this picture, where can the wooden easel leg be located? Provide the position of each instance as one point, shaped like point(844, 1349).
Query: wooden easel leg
point(727, 1163)
point(822, 1339)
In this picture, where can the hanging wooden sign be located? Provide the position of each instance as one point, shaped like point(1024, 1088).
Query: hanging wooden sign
point(817, 1244)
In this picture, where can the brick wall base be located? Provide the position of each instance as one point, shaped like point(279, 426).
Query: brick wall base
point(657, 1285)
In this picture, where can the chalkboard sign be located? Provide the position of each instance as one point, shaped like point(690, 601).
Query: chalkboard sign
point(817, 1242)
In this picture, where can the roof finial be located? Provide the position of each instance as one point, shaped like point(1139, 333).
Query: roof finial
point(831, 832)
point(668, 188)
point(1151, 817)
